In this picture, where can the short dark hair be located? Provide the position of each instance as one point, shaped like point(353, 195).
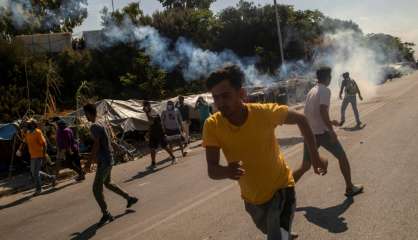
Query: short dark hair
point(322, 73)
point(146, 103)
point(232, 73)
point(90, 108)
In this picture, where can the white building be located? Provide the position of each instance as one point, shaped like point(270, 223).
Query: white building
point(93, 39)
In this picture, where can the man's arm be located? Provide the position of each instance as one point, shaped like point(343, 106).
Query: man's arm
point(162, 120)
point(94, 151)
point(309, 138)
point(216, 171)
point(342, 89)
point(179, 120)
point(42, 141)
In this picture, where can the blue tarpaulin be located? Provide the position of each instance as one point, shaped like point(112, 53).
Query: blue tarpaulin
point(7, 131)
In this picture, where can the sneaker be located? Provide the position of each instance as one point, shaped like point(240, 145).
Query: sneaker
point(131, 201)
point(105, 218)
point(356, 189)
point(152, 165)
point(359, 124)
point(37, 192)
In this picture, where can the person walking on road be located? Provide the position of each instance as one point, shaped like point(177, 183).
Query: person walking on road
point(68, 151)
point(35, 140)
point(172, 125)
point(157, 137)
point(204, 110)
point(351, 90)
point(102, 153)
point(185, 115)
point(317, 112)
point(246, 135)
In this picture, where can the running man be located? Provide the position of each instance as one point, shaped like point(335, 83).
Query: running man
point(350, 97)
point(102, 152)
point(317, 112)
point(246, 135)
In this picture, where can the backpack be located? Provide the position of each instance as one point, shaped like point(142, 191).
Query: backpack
point(351, 87)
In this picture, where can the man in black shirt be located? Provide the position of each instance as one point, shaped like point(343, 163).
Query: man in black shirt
point(156, 134)
point(185, 115)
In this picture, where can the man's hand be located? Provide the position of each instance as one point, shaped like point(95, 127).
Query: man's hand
point(335, 123)
point(361, 98)
point(234, 171)
point(320, 165)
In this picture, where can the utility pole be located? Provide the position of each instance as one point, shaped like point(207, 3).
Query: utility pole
point(113, 7)
point(279, 32)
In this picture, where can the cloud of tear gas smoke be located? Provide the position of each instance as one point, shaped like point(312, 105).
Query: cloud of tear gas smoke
point(22, 13)
point(347, 51)
point(194, 62)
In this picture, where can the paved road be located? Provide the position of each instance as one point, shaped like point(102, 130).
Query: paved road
point(179, 202)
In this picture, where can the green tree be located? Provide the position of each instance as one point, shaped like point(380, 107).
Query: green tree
point(197, 25)
point(391, 49)
point(40, 16)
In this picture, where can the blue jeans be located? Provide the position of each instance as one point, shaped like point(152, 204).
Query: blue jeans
point(353, 101)
point(37, 174)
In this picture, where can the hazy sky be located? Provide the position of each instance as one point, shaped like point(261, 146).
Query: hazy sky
point(399, 18)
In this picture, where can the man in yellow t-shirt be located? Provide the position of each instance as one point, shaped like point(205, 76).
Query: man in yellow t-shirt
point(245, 133)
point(36, 143)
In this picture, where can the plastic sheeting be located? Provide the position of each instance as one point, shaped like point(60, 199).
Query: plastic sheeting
point(7, 131)
point(129, 116)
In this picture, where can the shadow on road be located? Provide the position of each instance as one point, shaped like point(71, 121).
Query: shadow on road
point(328, 218)
point(91, 231)
point(15, 203)
point(149, 171)
point(54, 189)
point(353, 129)
point(27, 198)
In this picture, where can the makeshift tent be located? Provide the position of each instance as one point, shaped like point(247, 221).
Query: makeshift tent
point(128, 115)
point(7, 131)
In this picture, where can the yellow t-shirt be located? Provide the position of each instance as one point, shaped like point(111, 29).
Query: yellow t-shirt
point(36, 143)
point(254, 144)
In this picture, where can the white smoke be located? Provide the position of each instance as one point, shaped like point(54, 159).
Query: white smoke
point(195, 63)
point(348, 51)
point(23, 14)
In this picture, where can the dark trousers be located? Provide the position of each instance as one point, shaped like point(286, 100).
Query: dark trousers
point(277, 213)
point(103, 177)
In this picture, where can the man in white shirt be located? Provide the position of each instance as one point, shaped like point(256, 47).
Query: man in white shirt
point(317, 112)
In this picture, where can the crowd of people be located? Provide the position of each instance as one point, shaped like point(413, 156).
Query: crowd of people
point(266, 181)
